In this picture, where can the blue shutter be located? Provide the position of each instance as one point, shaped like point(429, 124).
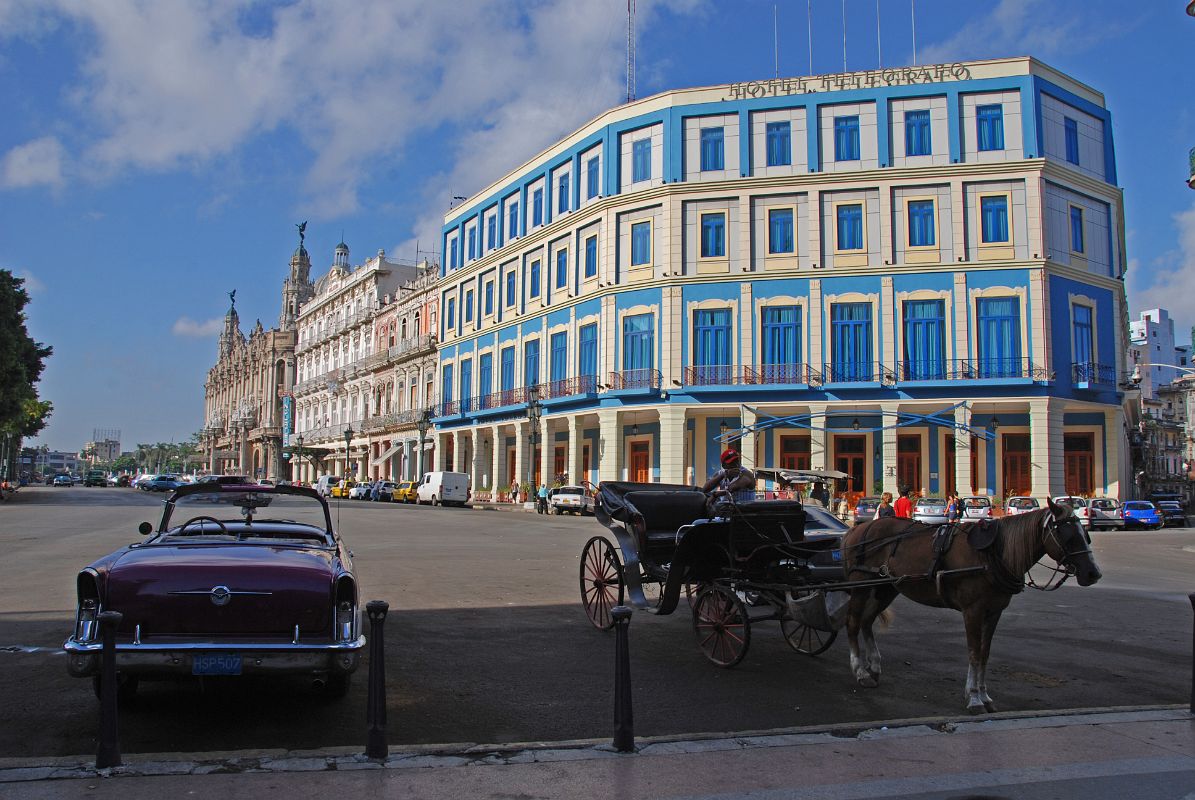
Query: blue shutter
point(640, 243)
point(562, 199)
point(468, 309)
point(1084, 340)
point(508, 375)
point(531, 363)
point(445, 389)
point(641, 160)
point(591, 257)
point(780, 346)
point(850, 227)
point(537, 207)
point(922, 232)
point(561, 268)
point(917, 133)
point(491, 232)
point(999, 337)
point(534, 278)
point(485, 380)
point(451, 313)
point(514, 221)
point(994, 217)
point(452, 251)
point(1076, 229)
point(466, 383)
point(925, 340)
point(472, 243)
point(989, 124)
point(711, 346)
point(780, 230)
point(587, 364)
point(846, 138)
point(711, 149)
point(592, 178)
point(779, 144)
point(713, 235)
point(1071, 129)
point(558, 361)
point(489, 298)
point(850, 353)
point(510, 288)
point(637, 345)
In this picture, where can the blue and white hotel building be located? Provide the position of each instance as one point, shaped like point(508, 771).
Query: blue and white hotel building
point(920, 270)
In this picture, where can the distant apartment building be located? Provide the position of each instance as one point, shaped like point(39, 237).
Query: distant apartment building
point(1153, 350)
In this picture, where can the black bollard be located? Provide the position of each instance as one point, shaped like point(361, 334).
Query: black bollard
point(624, 721)
point(1191, 597)
point(108, 754)
point(375, 708)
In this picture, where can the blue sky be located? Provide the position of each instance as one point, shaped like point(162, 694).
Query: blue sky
point(156, 154)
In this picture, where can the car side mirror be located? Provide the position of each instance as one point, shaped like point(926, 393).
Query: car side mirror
point(145, 529)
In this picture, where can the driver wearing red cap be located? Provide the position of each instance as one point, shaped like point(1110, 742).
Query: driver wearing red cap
point(733, 479)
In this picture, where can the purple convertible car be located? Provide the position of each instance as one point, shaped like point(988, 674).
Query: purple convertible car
point(235, 580)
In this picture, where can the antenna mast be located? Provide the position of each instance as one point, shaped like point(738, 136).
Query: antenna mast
point(776, 38)
point(630, 50)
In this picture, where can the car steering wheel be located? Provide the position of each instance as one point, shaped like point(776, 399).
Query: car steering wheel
point(202, 518)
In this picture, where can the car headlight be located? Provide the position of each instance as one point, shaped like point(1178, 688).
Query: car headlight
point(85, 625)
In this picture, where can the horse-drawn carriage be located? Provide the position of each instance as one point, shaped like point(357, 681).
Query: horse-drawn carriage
point(738, 563)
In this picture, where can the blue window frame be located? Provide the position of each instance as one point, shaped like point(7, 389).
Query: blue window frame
point(561, 268)
point(641, 160)
point(922, 230)
point(1076, 229)
point(850, 226)
point(508, 371)
point(452, 254)
point(513, 217)
point(780, 344)
point(989, 127)
point(713, 235)
point(779, 144)
point(485, 379)
point(640, 243)
point(488, 298)
point(466, 383)
point(491, 232)
point(850, 347)
point(638, 342)
point(846, 138)
point(591, 257)
point(918, 141)
point(451, 315)
point(472, 243)
point(711, 346)
point(1084, 336)
point(712, 149)
point(562, 203)
point(510, 288)
point(780, 231)
point(446, 384)
point(558, 358)
point(468, 309)
point(537, 207)
point(592, 178)
point(993, 213)
point(587, 361)
point(999, 337)
point(531, 363)
point(1071, 130)
point(925, 340)
point(533, 279)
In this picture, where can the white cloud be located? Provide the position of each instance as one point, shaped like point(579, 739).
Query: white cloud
point(1024, 27)
point(32, 285)
point(1169, 282)
point(185, 326)
point(35, 163)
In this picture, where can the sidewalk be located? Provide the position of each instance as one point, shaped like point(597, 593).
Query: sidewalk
point(1094, 754)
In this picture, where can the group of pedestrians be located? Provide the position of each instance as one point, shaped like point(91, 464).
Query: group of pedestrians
point(904, 505)
point(540, 496)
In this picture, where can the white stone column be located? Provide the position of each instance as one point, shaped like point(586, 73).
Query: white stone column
point(1113, 431)
point(573, 465)
point(609, 445)
point(962, 452)
point(672, 444)
point(480, 470)
point(888, 447)
point(747, 446)
point(458, 453)
point(522, 431)
point(547, 452)
point(499, 480)
point(820, 456)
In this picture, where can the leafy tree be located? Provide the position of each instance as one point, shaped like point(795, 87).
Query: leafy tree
point(21, 363)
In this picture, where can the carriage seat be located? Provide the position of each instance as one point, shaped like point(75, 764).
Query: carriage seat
point(666, 512)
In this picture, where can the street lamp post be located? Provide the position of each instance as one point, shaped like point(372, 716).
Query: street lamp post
point(348, 438)
point(299, 447)
point(423, 425)
point(534, 412)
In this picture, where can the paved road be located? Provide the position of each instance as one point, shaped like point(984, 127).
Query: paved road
point(487, 643)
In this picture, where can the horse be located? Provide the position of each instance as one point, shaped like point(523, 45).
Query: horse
point(975, 572)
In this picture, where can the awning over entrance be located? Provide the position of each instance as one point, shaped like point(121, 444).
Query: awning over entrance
point(394, 448)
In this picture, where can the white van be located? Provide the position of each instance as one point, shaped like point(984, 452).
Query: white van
point(447, 488)
point(325, 484)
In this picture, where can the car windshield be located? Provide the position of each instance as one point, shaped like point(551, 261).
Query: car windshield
point(931, 501)
point(273, 514)
point(1103, 504)
point(1073, 502)
point(1170, 505)
point(1139, 506)
point(1022, 502)
point(868, 502)
point(570, 490)
point(977, 502)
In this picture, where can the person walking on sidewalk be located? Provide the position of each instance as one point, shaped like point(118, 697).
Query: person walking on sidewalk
point(885, 509)
point(541, 505)
point(904, 506)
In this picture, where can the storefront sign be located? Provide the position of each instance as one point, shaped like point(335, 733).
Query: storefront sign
point(871, 79)
point(286, 419)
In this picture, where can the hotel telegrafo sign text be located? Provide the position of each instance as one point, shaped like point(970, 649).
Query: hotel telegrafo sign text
point(897, 76)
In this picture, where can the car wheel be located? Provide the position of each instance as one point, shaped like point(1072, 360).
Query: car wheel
point(435, 500)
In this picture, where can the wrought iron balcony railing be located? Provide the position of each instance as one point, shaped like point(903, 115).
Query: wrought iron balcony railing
point(635, 379)
point(858, 372)
point(769, 374)
point(1092, 373)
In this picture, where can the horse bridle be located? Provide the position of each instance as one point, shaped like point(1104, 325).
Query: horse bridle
point(1063, 569)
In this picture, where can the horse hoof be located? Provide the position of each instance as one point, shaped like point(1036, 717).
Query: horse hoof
point(990, 707)
point(977, 708)
point(868, 682)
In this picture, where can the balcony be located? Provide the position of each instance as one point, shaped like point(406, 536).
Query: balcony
point(858, 372)
point(630, 379)
point(712, 375)
point(1088, 375)
point(770, 374)
point(412, 345)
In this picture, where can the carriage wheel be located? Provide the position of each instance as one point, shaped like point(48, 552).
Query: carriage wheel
point(692, 590)
point(601, 582)
point(722, 626)
point(806, 640)
point(653, 592)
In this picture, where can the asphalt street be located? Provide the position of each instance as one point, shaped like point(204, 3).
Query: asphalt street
point(487, 642)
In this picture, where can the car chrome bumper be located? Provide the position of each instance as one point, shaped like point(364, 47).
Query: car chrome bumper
point(83, 658)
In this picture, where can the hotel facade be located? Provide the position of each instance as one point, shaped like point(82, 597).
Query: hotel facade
point(914, 276)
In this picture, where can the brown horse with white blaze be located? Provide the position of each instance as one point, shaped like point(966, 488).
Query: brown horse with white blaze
point(973, 568)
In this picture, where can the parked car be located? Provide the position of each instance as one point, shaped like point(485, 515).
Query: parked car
point(976, 508)
point(228, 480)
point(1141, 514)
point(1080, 507)
point(343, 487)
point(1172, 513)
point(62, 480)
point(1104, 512)
point(865, 509)
point(571, 500)
point(405, 492)
point(235, 580)
point(383, 491)
point(931, 511)
point(325, 484)
point(1020, 505)
point(162, 483)
point(447, 488)
point(360, 491)
point(95, 477)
